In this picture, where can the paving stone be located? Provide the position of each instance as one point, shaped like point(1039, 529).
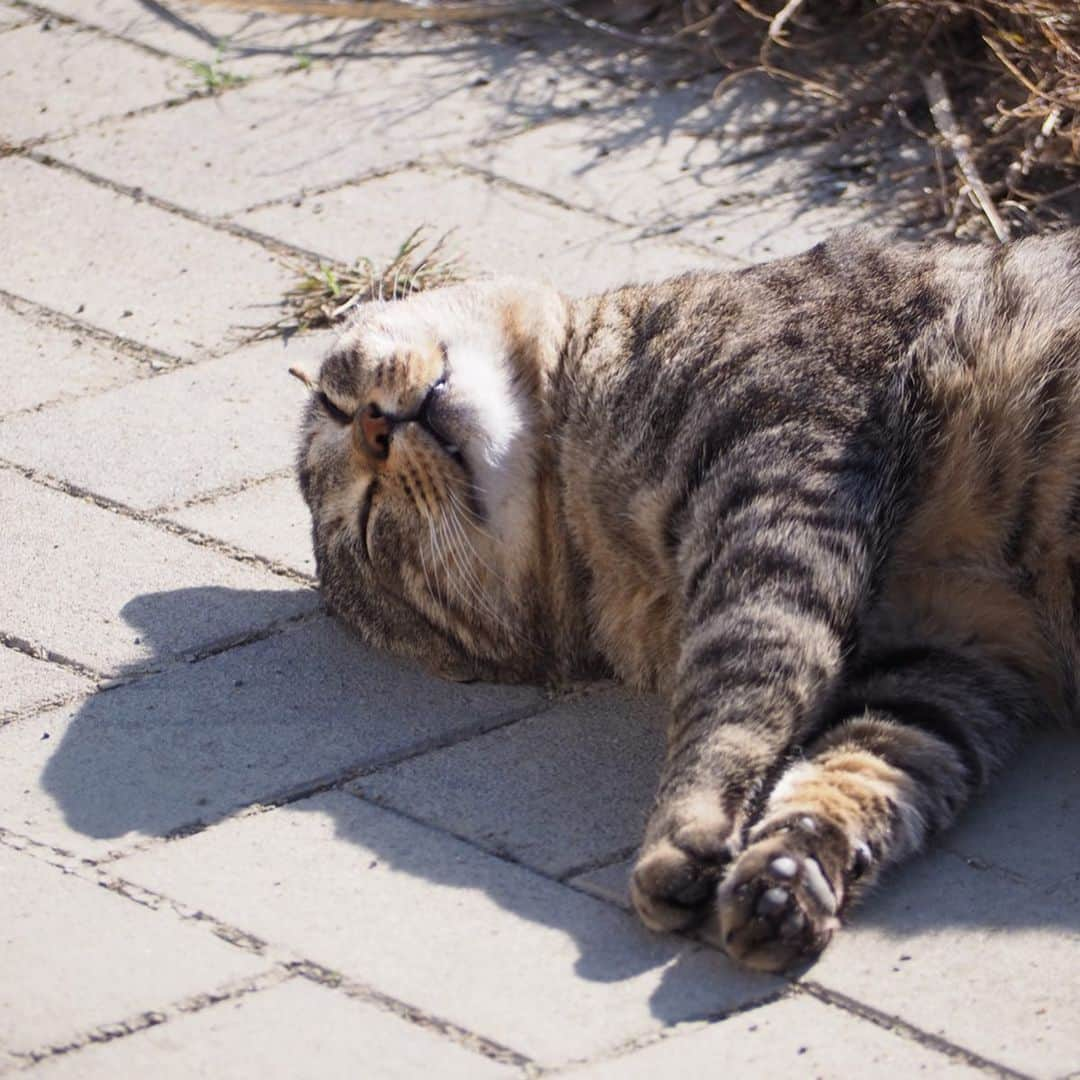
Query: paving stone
point(1029, 820)
point(85, 957)
point(27, 683)
point(798, 1036)
point(128, 267)
point(269, 520)
point(44, 363)
point(240, 42)
point(442, 926)
point(58, 79)
point(985, 962)
point(495, 228)
point(111, 593)
point(557, 791)
point(228, 153)
point(184, 433)
point(279, 1034)
point(253, 724)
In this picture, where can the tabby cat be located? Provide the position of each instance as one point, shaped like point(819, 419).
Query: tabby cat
point(829, 507)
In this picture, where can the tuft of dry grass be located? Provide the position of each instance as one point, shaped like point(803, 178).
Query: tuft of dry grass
point(322, 296)
point(992, 85)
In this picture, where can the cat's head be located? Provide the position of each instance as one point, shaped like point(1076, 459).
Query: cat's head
point(420, 456)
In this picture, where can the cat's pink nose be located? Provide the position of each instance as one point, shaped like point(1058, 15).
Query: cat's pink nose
point(375, 428)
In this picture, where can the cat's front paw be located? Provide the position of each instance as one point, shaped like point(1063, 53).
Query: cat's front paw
point(687, 848)
point(779, 904)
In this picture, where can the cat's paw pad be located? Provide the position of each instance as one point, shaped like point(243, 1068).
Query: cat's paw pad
point(674, 883)
point(778, 905)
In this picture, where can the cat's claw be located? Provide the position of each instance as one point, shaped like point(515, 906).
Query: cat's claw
point(779, 904)
point(675, 881)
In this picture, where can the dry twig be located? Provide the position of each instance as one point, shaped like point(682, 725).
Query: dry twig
point(942, 111)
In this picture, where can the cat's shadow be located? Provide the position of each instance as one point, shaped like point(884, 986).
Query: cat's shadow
point(270, 721)
point(180, 744)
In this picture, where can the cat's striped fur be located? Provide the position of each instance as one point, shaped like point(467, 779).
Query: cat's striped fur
point(829, 506)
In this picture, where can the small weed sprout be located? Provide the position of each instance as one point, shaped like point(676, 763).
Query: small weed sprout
point(212, 77)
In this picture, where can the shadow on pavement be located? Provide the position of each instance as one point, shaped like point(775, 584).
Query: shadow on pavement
point(277, 718)
point(633, 104)
point(265, 722)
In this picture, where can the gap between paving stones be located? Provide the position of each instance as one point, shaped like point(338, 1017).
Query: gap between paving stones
point(157, 360)
point(454, 1032)
point(59, 701)
point(130, 1025)
point(27, 147)
point(678, 1031)
point(304, 56)
point(193, 536)
point(196, 539)
point(203, 35)
point(41, 652)
point(287, 964)
point(270, 244)
point(599, 863)
point(901, 1027)
point(156, 363)
point(103, 683)
point(224, 492)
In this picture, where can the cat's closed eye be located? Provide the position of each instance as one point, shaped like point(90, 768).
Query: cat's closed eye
point(334, 411)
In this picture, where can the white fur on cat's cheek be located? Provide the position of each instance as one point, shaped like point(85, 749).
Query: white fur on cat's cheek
point(493, 444)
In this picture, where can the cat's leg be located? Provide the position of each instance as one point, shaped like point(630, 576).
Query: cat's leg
point(915, 735)
point(775, 570)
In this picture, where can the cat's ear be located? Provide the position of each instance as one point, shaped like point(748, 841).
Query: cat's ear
point(303, 376)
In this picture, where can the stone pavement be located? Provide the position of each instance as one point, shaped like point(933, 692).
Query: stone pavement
point(235, 843)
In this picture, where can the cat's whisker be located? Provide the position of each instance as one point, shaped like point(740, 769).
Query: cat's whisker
point(428, 584)
point(516, 633)
point(463, 518)
point(470, 581)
